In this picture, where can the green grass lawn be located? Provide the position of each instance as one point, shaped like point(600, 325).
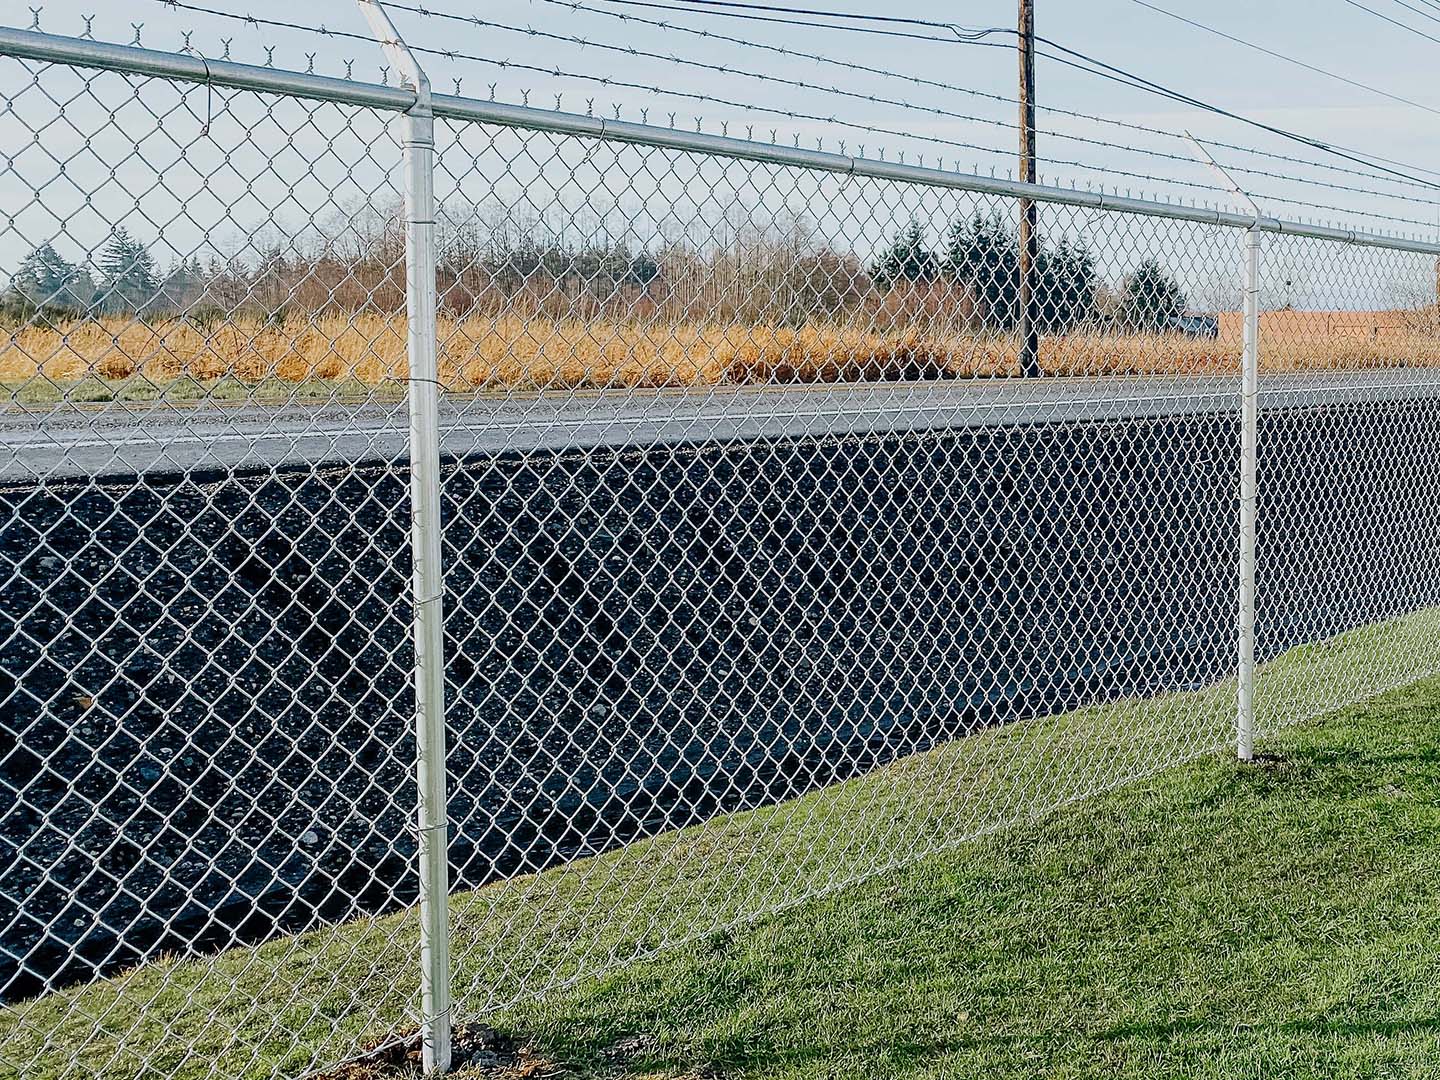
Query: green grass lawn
point(1218, 920)
point(1208, 920)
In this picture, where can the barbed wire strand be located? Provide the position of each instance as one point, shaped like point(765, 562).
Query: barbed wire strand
point(556, 72)
point(689, 95)
point(726, 69)
point(1127, 125)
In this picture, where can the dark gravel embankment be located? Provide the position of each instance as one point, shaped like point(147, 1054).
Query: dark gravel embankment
point(207, 678)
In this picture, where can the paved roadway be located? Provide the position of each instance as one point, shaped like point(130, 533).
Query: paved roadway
point(80, 441)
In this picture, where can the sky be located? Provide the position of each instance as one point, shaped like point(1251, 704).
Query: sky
point(223, 191)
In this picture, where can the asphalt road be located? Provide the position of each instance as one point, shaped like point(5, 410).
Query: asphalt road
point(113, 439)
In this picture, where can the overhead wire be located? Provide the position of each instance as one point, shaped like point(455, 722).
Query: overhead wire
point(1288, 59)
point(1138, 82)
point(751, 106)
point(899, 20)
point(1418, 11)
point(937, 140)
point(576, 5)
point(1110, 72)
point(1393, 22)
point(727, 69)
point(973, 38)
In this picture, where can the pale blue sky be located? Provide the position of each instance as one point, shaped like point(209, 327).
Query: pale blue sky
point(1327, 33)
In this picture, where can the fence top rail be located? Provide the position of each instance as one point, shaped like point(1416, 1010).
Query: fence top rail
point(191, 67)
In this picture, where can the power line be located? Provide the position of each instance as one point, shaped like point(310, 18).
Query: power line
point(1288, 59)
point(790, 113)
point(959, 34)
point(576, 5)
point(727, 69)
point(1393, 22)
point(1139, 82)
point(604, 80)
point(1027, 328)
point(1419, 11)
point(865, 17)
point(608, 81)
point(1114, 74)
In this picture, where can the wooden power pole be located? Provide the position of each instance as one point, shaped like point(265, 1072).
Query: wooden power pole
point(1028, 331)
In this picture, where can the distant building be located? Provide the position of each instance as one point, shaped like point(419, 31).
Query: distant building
point(1196, 326)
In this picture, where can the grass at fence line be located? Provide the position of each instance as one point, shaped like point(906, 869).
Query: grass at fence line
point(1210, 920)
point(173, 357)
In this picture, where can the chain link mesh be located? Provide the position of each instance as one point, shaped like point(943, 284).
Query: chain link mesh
point(206, 606)
point(755, 539)
point(1347, 524)
point(763, 573)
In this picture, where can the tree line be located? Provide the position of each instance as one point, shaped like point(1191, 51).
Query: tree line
point(982, 254)
point(785, 277)
point(124, 279)
point(359, 273)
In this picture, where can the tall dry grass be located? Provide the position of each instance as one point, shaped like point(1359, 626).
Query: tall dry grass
point(537, 353)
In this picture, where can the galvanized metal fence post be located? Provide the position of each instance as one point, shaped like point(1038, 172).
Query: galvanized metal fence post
point(1249, 452)
point(424, 393)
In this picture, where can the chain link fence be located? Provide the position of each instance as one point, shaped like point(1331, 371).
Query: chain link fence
point(757, 570)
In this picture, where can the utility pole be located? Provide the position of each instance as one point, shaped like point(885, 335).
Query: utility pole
point(1028, 331)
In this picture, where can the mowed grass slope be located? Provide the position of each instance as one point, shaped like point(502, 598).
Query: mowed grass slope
point(1211, 920)
point(1216, 921)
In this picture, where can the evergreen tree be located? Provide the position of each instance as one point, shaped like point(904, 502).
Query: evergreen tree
point(615, 266)
point(1065, 287)
point(127, 273)
point(907, 259)
point(643, 269)
point(1151, 297)
point(184, 284)
point(984, 254)
point(512, 263)
point(45, 280)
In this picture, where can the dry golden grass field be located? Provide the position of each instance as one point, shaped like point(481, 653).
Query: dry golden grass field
point(534, 353)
